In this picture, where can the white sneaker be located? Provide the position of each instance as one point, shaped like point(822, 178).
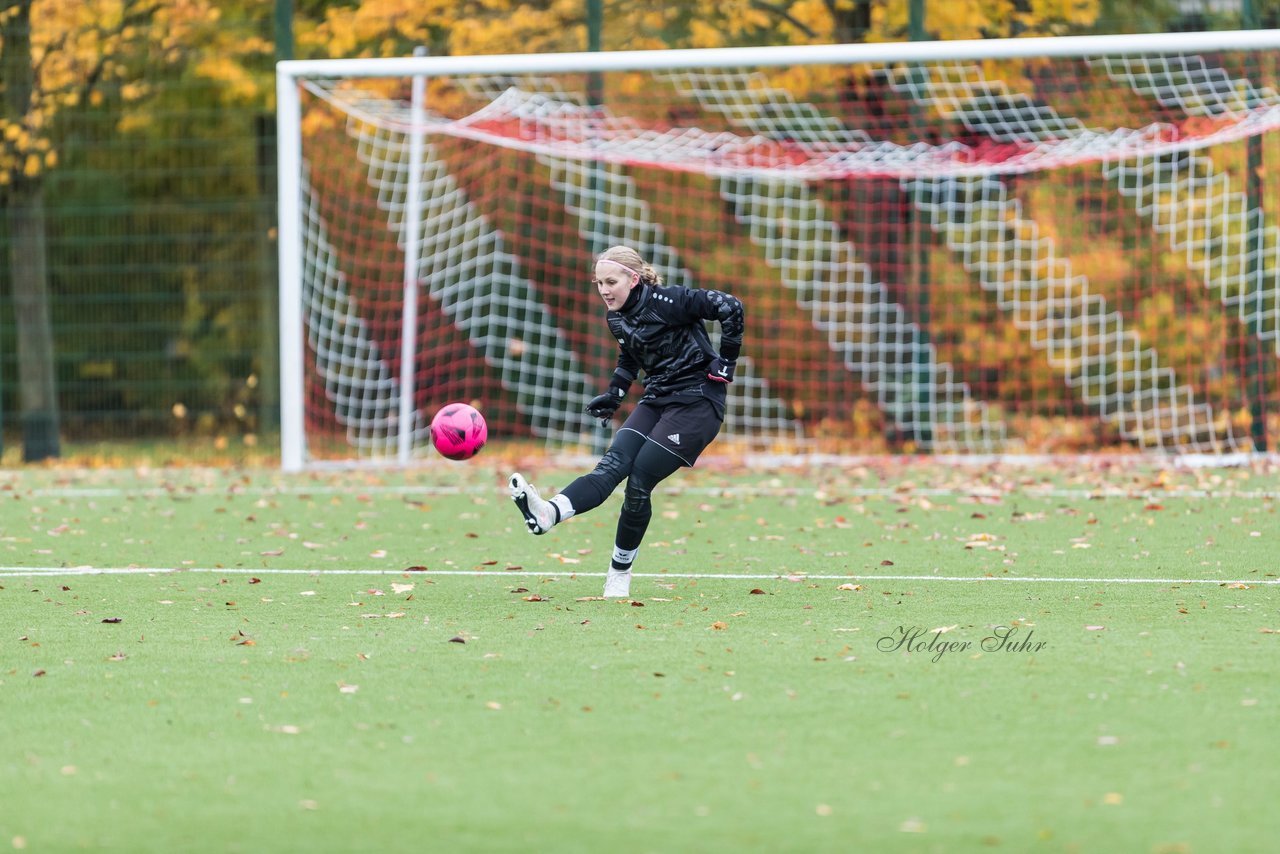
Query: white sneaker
point(539, 516)
point(617, 584)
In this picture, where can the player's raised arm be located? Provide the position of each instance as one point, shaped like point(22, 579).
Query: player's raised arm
point(727, 310)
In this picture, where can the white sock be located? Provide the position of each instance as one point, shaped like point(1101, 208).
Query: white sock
point(623, 558)
point(563, 505)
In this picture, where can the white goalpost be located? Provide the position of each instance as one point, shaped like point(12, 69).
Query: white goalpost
point(975, 247)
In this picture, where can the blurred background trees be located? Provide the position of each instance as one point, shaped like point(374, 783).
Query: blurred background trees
point(137, 169)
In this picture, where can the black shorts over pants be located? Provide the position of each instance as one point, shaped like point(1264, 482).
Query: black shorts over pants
point(683, 422)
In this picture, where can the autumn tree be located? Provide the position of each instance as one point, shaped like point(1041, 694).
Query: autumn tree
point(58, 55)
point(393, 27)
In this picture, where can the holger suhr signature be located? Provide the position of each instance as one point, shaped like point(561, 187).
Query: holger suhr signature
point(920, 639)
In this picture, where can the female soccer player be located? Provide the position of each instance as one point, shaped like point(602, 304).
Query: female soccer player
point(659, 330)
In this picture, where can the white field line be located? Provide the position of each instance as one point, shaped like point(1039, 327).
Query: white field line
point(57, 571)
point(762, 462)
point(425, 490)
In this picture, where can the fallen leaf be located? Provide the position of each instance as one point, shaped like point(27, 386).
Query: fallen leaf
point(849, 586)
point(457, 639)
point(344, 688)
point(756, 591)
point(719, 626)
point(113, 620)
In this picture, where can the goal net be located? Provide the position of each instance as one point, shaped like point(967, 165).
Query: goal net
point(999, 247)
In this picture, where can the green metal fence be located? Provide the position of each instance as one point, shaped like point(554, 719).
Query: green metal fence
point(157, 221)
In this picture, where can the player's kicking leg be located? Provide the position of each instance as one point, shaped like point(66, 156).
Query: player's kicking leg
point(539, 515)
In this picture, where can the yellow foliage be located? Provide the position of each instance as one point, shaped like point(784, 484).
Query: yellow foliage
point(813, 23)
point(702, 35)
point(394, 27)
point(976, 19)
point(238, 84)
point(76, 42)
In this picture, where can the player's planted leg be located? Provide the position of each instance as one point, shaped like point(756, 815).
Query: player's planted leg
point(653, 464)
point(539, 515)
point(617, 581)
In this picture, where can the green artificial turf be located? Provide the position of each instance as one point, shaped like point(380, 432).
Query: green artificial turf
point(310, 663)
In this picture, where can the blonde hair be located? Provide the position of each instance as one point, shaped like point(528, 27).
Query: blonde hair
point(625, 256)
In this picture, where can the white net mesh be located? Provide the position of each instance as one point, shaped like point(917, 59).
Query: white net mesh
point(863, 200)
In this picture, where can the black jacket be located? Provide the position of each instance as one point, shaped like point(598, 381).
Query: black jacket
point(660, 331)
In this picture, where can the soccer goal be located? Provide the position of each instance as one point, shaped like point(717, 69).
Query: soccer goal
point(975, 247)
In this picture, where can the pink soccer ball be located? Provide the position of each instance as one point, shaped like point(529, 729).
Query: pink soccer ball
point(459, 431)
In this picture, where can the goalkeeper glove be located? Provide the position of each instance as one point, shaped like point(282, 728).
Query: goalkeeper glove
point(603, 406)
point(721, 370)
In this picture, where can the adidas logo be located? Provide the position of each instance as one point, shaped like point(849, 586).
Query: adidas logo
point(675, 438)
